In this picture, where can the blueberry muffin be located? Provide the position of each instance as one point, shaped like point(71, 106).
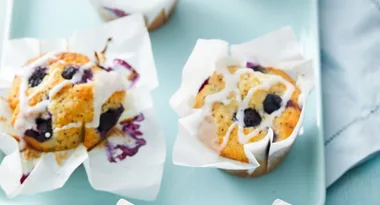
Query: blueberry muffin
point(156, 12)
point(63, 99)
point(243, 103)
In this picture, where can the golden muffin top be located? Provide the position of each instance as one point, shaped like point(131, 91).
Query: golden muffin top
point(244, 103)
point(61, 91)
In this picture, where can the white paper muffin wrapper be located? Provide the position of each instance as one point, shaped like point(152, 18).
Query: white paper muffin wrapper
point(138, 176)
point(280, 202)
point(150, 9)
point(279, 49)
point(123, 202)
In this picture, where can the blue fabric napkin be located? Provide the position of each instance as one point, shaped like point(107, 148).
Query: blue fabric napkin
point(350, 52)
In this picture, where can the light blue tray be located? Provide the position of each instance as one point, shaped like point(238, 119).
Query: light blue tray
point(299, 180)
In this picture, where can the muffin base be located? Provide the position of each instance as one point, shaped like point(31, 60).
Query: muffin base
point(274, 162)
point(162, 17)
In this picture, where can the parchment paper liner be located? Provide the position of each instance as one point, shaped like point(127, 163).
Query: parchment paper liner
point(156, 13)
point(279, 49)
point(138, 176)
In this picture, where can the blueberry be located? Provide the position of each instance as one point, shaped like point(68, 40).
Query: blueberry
point(272, 103)
point(109, 120)
point(23, 178)
point(203, 85)
point(117, 12)
point(256, 67)
point(124, 149)
point(292, 104)
point(122, 63)
point(69, 72)
point(43, 127)
point(34, 134)
point(251, 117)
point(37, 76)
point(87, 75)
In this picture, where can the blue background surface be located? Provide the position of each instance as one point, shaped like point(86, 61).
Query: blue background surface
point(235, 21)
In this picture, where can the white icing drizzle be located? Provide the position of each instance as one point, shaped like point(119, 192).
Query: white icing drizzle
point(105, 84)
point(39, 107)
point(62, 62)
point(28, 114)
point(226, 137)
point(86, 66)
point(231, 86)
point(76, 78)
point(25, 119)
point(47, 135)
point(68, 126)
point(51, 77)
point(268, 119)
point(42, 85)
point(58, 88)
